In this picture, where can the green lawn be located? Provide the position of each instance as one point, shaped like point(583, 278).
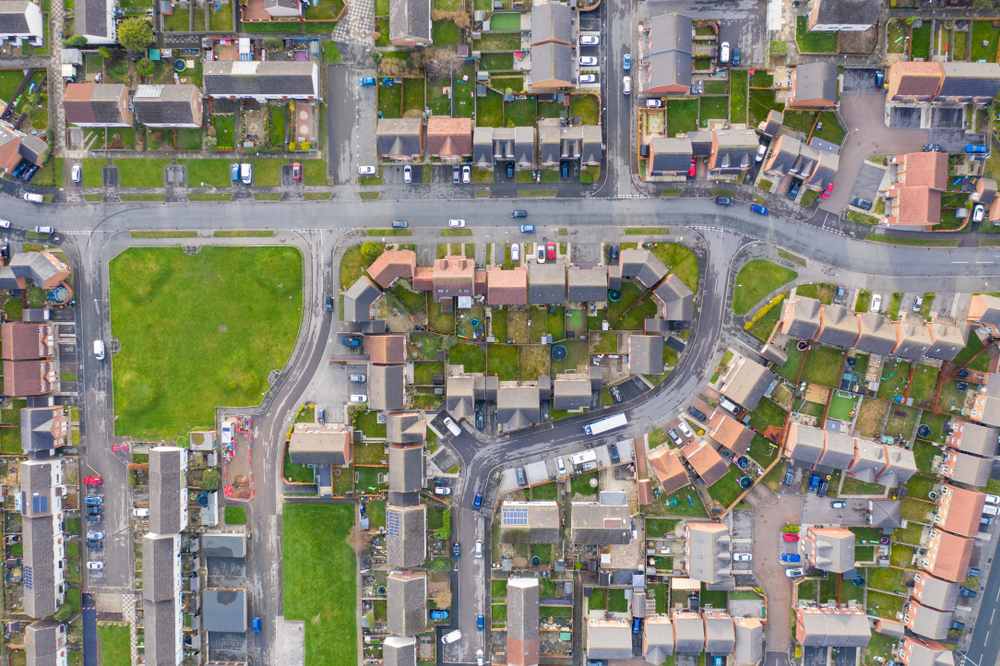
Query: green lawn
point(713, 107)
point(738, 95)
point(520, 112)
point(585, 106)
point(727, 489)
point(923, 384)
point(657, 527)
point(682, 116)
point(884, 605)
point(919, 486)
point(236, 515)
point(489, 110)
point(580, 485)
point(757, 279)
point(616, 601)
point(471, 356)
point(767, 414)
point(502, 361)
point(790, 370)
point(984, 31)
point(892, 383)
point(821, 291)
point(981, 363)
point(114, 644)
point(446, 33)
point(224, 319)
point(923, 455)
point(915, 510)
point(854, 487)
point(318, 580)
point(680, 261)
point(814, 42)
point(823, 366)
point(902, 420)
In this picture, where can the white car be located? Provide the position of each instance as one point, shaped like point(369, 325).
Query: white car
point(654, 103)
point(589, 40)
point(561, 465)
point(76, 173)
point(479, 657)
point(515, 253)
point(141, 512)
point(407, 174)
point(992, 499)
point(588, 78)
point(442, 490)
point(466, 174)
point(359, 397)
point(95, 565)
point(627, 85)
point(724, 53)
point(5, 224)
point(541, 252)
point(794, 573)
point(742, 557)
point(366, 170)
point(991, 510)
point(978, 212)
point(96, 535)
point(683, 427)
point(456, 223)
point(479, 548)
point(876, 302)
point(761, 151)
point(588, 61)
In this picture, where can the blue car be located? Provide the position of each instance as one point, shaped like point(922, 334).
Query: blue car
point(760, 210)
point(478, 502)
point(92, 500)
point(256, 625)
point(971, 148)
point(790, 558)
point(627, 61)
point(439, 615)
point(367, 81)
point(813, 482)
point(479, 623)
point(636, 625)
point(527, 228)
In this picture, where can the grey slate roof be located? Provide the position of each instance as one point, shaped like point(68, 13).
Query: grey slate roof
point(405, 428)
point(670, 68)
point(669, 48)
point(950, 337)
point(840, 327)
point(928, 622)
point(885, 514)
point(482, 146)
point(12, 17)
point(409, 18)
point(847, 12)
point(399, 651)
point(749, 384)
point(720, 634)
point(42, 640)
point(970, 79)
point(643, 266)
point(552, 61)
point(223, 545)
point(406, 468)
point(165, 104)
point(399, 137)
point(406, 539)
point(460, 397)
point(737, 150)
point(36, 428)
point(608, 639)
point(386, 387)
point(805, 444)
point(749, 641)
point(878, 335)
point(839, 450)
point(689, 633)
point(547, 284)
point(522, 608)
point(524, 144)
point(571, 393)
point(658, 638)
point(35, 266)
point(38, 561)
point(587, 285)
point(834, 629)
point(325, 445)
point(803, 316)
point(669, 155)
point(159, 620)
point(645, 354)
point(224, 610)
point(551, 21)
point(701, 143)
point(976, 439)
point(937, 593)
point(915, 338)
point(406, 603)
point(167, 489)
point(226, 78)
point(91, 18)
point(708, 552)
point(593, 144)
point(530, 522)
point(594, 523)
point(358, 300)
point(816, 80)
point(970, 470)
point(517, 407)
point(160, 567)
point(677, 299)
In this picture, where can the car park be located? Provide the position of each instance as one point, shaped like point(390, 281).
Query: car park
point(742, 557)
point(366, 81)
point(540, 252)
point(627, 85)
point(697, 413)
point(366, 171)
point(684, 428)
point(654, 103)
point(466, 174)
point(876, 302)
point(791, 558)
point(627, 61)
point(589, 40)
point(760, 210)
point(456, 550)
point(95, 566)
point(761, 152)
point(479, 550)
point(527, 228)
point(917, 303)
point(588, 61)
point(839, 504)
point(863, 204)
point(793, 573)
point(675, 437)
point(724, 53)
point(790, 538)
point(613, 452)
point(789, 476)
point(407, 174)
point(725, 201)
point(477, 502)
point(515, 253)
point(519, 213)
point(456, 223)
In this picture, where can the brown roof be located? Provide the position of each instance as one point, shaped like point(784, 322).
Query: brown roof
point(962, 509)
point(645, 492)
point(953, 555)
point(454, 267)
point(669, 469)
point(919, 206)
point(926, 169)
point(21, 341)
point(423, 278)
point(915, 79)
point(449, 137)
point(729, 432)
point(507, 287)
point(392, 265)
point(25, 378)
point(386, 349)
point(706, 461)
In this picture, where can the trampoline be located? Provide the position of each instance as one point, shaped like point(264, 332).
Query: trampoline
point(614, 295)
point(559, 352)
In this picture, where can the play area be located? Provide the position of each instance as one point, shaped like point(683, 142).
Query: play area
point(843, 406)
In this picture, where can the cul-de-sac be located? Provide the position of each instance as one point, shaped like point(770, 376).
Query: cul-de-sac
point(499, 332)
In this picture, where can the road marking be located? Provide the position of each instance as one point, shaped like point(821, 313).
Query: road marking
point(992, 615)
point(984, 262)
point(959, 262)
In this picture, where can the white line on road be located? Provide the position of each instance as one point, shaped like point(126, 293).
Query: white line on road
point(992, 615)
point(959, 262)
point(984, 262)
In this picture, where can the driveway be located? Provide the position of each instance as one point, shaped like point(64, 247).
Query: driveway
point(771, 513)
point(863, 116)
point(350, 122)
point(820, 511)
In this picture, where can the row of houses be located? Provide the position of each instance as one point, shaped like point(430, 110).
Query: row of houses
point(824, 451)
point(943, 83)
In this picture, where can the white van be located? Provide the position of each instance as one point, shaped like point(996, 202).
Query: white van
point(452, 636)
point(455, 430)
point(140, 513)
point(37, 198)
point(246, 173)
point(991, 510)
point(728, 406)
point(99, 350)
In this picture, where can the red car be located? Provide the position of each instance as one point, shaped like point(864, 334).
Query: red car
point(828, 191)
point(92, 480)
point(120, 448)
point(790, 538)
point(552, 251)
point(694, 166)
point(296, 171)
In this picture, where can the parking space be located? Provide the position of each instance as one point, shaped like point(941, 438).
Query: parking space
point(820, 510)
point(861, 82)
point(948, 118)
point(869, 178)
point(633, 388)
point(814, 656)
point(905, 117)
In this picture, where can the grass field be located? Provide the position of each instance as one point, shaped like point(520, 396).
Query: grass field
point(223, 320)
point(757, 279)
point(823, 366)
point(114, 646)
point(318, 580)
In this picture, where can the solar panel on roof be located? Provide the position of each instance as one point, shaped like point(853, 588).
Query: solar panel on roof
point(27, 578)
point(39, 504)
point(392, 523)
point(515, 516)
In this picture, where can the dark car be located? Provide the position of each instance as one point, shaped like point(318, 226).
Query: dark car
point(97, 543)
point(19, 169)
point(456, 175)
point(736, 57)
point(329, 303)
point(974, 572)
point(962, 387)
point(30, 173)
point(725, 201)
point(861, 203)
point(966, 592)
point(519, 213)
point(793, 191)
point(760, 210)
point(613, 254)
point(440, 481)
point(636, 625)
point(93, 517)
point(456, 550)
point(510, 169)
point(932, 148)
point(613, 450)
point(478, 502)
point(479, 420)
point(958, 626)
point(789, 476)
point(479, 622)
point(840, 293)
point(697, 413)
point(879, 77)
point(564, 169)
point(94, 510)
point(823, 488)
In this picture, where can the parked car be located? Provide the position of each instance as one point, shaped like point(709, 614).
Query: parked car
point(589, 40)
point(321, 416)
point(48, 231)
point(917, 303)
point(636, 625)
point(879, 77)
point(814, 482)
point(510, 169)
point(742, 557)
point(76, 173)
point(828, 191)
point(790, 538)
point(359, 378)
point(793, 573)
point(456, 174)
point(684, 428)
point(613, 254)
point(793, 191)
point(515, 253)
point(456, 223)
point(973, 572)
point(761, 152)
point(993, 499)
point(724, 53)
point(564, 169)
point(297, 171)
point(527, 228)
point(93, 500)
point(991, 510)
point(256, 625)
point(96, 535)
point(440, 481)
point(479, 550)
point(407, 174)
point(479, 420)
point(246, 173)
point(863, 204)
point(627, 61)
point(725, 201)
point(479, 657)
point(823, 488)
point(693, 169)
point(791, 558)
point(477, 502)
point(439, 615)
point(932, 148)
point(519, 213)
point(366, 171)
point(466, 174)
point(588, 61)
point(654, 103)
point(350, 342)
point(35, 198)
point(588, 78)
point(839, 293)
point(95, 543)
point(616, 394)
point(613, 452)
point(95, 565)
point(91, 480)
point(839, 504)
point(626, 85)
point(789, 476)
point(522, 479)
point(456, 550)
point(958, 626)
point(30, 173)
point(971, 148)
point(561, 465)
point(366, 81)
point(141, 512)
point(93, 517)
point(550, 251)
point(119, 448)
point(452, 637)
point(966, 592)
point(978, 213)
point(876, 302)
point(328, 304)
point(479, 622)
point(736, 57)
point(697, 413)
point(540, 252)
point(675, 437)
point(760, 210)
point(359, 397)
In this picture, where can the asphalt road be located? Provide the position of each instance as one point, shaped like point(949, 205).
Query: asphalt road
point(985, 644)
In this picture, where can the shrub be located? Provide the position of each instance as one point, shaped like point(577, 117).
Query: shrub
point(210, 479)
point(763, 311)
point(145, 67)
